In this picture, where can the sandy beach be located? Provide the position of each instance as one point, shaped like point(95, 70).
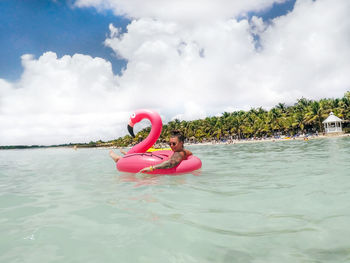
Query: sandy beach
point(260, 140)
point(285, 139)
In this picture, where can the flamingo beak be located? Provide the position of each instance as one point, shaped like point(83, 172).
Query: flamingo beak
point(131, 129)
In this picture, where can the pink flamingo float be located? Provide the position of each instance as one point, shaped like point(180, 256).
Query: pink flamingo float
point(138, 158)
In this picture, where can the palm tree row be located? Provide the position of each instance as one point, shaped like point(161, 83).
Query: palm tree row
point(302, 117)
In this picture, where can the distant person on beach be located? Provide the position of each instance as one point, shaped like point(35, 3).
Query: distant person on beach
point(176, 143)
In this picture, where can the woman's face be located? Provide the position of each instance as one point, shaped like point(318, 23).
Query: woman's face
point(175, 144)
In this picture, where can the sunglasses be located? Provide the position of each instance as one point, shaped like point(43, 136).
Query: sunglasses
point(172, 143)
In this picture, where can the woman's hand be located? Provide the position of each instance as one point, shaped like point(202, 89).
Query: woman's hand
point(147, 169)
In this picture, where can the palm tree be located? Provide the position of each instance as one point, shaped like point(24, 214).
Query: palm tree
point(315, 115)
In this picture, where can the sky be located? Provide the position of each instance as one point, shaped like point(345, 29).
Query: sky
point(74, 70)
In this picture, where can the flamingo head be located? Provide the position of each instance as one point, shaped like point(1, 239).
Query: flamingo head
point(136, 117)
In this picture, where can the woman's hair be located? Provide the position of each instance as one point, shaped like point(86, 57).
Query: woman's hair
point(178, 134)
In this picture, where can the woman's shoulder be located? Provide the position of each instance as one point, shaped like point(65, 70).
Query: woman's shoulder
point(188, 153)
point(184, 153)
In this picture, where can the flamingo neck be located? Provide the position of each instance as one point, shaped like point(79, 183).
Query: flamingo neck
point(156, 129)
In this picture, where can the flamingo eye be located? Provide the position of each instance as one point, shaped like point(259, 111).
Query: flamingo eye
point(133, 115)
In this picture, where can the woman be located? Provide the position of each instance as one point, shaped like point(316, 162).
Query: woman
point(176, 143)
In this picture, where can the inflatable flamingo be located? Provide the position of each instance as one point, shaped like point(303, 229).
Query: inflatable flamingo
point(138, 157)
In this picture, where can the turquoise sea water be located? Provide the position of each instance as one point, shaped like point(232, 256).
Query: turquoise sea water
point(257, 202)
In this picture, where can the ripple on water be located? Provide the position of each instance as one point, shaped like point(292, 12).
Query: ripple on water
point(263, 202)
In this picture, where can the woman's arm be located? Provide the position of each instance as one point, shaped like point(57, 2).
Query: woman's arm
point(174, 160)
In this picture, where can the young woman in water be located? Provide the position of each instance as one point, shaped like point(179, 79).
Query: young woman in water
point(176, 143)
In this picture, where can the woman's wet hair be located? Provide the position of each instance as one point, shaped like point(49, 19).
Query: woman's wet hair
point(178, 134)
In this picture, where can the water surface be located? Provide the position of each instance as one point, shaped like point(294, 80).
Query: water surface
point(257, 202)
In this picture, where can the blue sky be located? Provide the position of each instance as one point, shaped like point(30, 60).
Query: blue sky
point(37, 26)
point(276, 10)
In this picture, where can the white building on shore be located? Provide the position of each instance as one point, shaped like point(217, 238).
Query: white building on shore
point(332, 124)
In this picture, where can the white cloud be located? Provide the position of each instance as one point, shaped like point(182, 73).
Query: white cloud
point(61, 100)
point(218, 66)
point(202, 65)
point(192, 111)
point(181, 11)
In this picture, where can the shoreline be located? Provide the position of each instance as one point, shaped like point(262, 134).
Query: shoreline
point(287, 139)
point(229, 142)
point(270, 140)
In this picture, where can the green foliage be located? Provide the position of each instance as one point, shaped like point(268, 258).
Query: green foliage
point(302, 117)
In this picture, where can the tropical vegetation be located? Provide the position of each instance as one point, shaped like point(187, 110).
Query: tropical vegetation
point(305, 116)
